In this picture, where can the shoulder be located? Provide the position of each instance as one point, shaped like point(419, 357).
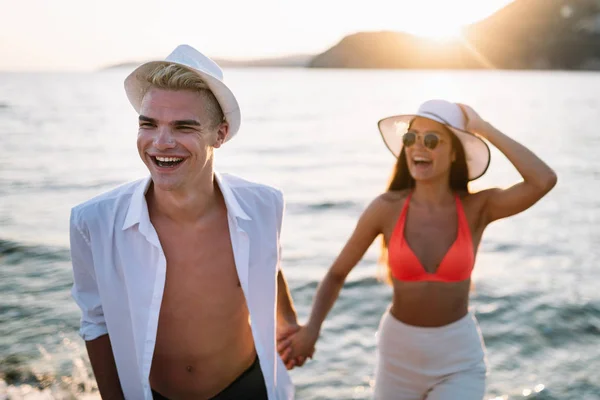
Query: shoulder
point(107, 204)
point(392, 197)
point(385, 205)
point(245, 188)
point(256, 199)
point(475, 205)
point(478, 199)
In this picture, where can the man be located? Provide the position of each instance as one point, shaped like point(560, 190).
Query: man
point(177, 275)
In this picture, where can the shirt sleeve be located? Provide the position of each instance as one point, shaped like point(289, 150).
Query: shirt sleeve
point(280, 208)
point(85, 288)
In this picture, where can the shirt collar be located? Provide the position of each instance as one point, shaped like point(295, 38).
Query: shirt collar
point(137, 204)
point(233, 206)
point(138, 208)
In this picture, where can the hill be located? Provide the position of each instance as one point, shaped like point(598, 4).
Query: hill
point(526, 34)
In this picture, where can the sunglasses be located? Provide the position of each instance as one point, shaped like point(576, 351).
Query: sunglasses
point(430, 140)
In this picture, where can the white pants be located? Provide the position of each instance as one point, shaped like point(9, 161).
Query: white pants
point(416, 363)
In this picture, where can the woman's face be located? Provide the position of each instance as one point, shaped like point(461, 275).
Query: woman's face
point(428, 147)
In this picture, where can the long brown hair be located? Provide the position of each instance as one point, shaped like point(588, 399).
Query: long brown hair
point(402, 180)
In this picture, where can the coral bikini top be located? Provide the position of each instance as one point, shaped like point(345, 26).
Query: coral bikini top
point(456, 265)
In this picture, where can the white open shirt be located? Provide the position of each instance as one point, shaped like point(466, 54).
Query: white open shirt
point(119, 275)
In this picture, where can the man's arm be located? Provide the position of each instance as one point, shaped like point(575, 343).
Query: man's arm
point(287, 321)
point(104, 367)
point(93, 325)
point(286, 313)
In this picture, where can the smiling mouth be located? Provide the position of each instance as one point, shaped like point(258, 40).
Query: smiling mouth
point(167, 162)
point(421, 161)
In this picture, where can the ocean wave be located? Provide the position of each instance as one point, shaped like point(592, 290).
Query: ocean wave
point(14, 253)
point(46, 186)
point(19, 381)
point(301, 207)
point(560, 326)
point(533, 322)
point(328, 205)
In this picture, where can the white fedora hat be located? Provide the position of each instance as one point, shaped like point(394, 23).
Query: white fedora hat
point(449, 114)
point(188, 57)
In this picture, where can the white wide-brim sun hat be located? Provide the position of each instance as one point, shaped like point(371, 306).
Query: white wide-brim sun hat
point(449, 114)
point(191, 59)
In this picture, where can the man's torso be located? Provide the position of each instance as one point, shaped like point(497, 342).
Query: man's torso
point(130, 272)
point(204, 341)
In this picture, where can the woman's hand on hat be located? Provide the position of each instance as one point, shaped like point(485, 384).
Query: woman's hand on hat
point(474, 122)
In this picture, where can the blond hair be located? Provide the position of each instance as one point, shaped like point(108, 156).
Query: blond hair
point(176, 77)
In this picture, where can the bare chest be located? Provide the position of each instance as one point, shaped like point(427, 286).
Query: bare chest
point(201, 270)
point(203, 324)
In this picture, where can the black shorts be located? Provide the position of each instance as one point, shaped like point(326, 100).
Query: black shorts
point(250, 385)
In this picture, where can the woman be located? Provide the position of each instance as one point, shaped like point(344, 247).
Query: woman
point(429, 344)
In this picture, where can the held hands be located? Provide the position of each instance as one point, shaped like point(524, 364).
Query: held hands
point(295, 344)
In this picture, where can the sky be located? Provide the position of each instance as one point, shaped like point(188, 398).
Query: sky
point(86, 34)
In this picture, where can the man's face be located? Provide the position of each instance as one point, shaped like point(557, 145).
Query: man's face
point(176, 138)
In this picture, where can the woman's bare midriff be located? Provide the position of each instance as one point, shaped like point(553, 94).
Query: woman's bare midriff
point(430, 304)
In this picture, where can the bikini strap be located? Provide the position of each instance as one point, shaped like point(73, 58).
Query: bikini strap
point(405, 206)
point(402, 218)
point(463, 223)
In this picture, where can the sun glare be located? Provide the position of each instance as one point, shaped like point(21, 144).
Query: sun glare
point(438, 30)
point(441, 35)
point(434, 19)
